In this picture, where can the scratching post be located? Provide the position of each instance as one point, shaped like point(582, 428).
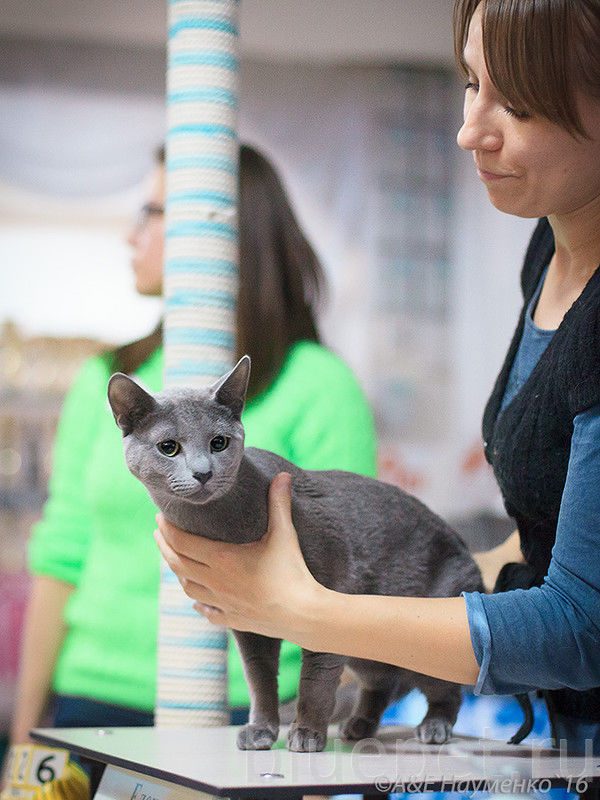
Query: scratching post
point(200, 289)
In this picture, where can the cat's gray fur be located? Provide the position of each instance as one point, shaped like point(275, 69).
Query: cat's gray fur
point(357, 535)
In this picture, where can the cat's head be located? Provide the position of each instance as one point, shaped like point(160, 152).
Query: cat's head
point(183, 442)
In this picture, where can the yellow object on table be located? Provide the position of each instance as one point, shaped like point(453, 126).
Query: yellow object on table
point(33, 772)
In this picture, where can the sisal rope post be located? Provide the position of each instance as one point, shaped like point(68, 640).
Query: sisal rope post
point(200, 289)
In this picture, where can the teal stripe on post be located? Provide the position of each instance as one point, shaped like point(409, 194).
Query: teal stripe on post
point(207, 23)
point(201, 129)
point(201, 228)
point(210, 707)
point(204, 266)
point(203, 95)
point(200, 303)
point(204, 336)
point(218, 198)
point(223, 60)
point(203, 162)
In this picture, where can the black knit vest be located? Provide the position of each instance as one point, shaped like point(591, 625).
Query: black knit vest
point(528, 444)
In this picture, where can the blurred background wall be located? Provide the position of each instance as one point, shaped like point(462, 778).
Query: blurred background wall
point(358, 105)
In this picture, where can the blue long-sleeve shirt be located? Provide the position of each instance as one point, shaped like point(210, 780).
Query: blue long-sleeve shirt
point(549, 636)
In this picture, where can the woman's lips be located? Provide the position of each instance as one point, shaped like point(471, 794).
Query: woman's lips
point(490, 177)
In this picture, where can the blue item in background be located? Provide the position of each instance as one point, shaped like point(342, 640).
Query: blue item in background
point(489, 716)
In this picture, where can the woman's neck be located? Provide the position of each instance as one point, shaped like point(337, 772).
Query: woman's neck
point(576, 258)
point(577, 243)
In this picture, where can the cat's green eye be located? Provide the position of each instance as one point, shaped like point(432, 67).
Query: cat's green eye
point(219, 443)
point(169, 448)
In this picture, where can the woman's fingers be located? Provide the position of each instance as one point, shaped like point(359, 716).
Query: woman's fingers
point(280, 501)
point(282, 539)
point(185, 568)
point(195, 547)
point(212, 613)
point(190, 573)
point(245, 587)
point(199, 593)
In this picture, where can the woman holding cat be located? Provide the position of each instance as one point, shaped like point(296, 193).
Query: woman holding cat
point(532, 122)
point(91, 630)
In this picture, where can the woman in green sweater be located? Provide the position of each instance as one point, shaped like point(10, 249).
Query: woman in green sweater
point(91, 627)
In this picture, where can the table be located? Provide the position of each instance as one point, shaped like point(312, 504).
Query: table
point(174, 764)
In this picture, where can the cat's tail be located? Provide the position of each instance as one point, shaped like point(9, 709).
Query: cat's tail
point(527, 725)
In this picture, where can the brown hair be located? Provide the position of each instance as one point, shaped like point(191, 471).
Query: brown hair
point(537, 52)
point(281, 280)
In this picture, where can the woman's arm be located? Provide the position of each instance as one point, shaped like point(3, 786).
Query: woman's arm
point(275, 594)
point(544, 637)
point(59, 541)
point(58, 545)
point(549, 636)
point(426, 635)
point(43, 634)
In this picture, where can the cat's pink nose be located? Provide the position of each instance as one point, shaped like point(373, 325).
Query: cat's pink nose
point(203, 476)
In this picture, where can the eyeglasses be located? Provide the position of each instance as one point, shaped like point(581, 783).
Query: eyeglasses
point(146, 211)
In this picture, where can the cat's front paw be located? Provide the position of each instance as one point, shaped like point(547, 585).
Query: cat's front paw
point(257, 737)
point(357, 728)
point(306, 740)
point(434, 731)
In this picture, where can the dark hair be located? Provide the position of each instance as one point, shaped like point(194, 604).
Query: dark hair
point(537, 53)
point(281, 280)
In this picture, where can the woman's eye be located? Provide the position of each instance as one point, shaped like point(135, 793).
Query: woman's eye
point(169, 448)
point(471, 85)
point(219, 443)
point(512, 112)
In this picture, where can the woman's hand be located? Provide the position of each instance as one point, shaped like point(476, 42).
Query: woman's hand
point(264, 586)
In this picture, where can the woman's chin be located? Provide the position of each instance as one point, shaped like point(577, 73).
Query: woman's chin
point(146, 291)
point(513, 206)
point(147, 288)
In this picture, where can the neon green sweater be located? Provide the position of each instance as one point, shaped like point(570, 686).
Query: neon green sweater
point(96, 530)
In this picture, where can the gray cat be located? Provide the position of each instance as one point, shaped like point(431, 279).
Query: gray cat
point(357, 535)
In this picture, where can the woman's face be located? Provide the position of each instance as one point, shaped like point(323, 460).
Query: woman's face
point(147, 239)
point(530, 166)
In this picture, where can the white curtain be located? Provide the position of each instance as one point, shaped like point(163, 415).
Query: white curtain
point(78, 120)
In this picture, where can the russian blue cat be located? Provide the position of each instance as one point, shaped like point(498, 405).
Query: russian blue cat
point(357, 535)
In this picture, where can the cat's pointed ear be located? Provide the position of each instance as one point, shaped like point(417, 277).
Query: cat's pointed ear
point(230, 390)
point(129, 402)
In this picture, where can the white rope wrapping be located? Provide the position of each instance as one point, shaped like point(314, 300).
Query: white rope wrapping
point(200, 297)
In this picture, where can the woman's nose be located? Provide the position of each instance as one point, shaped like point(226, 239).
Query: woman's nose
point(479, 130)
point(132, 235)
